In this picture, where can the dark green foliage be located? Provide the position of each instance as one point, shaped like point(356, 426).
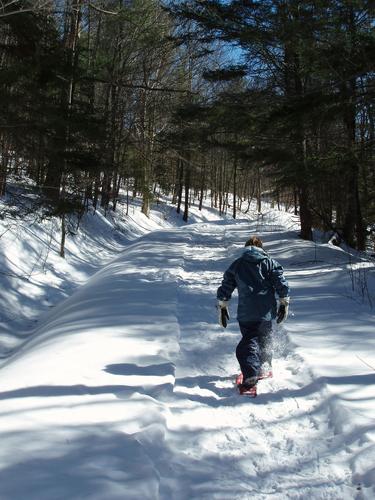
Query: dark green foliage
point(226, 74)
point(35, 118)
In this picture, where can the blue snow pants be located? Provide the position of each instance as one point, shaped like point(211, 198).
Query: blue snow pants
point(255, 347)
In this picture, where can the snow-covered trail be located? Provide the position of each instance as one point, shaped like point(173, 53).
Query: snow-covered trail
point(126, 389)
point(224, 446)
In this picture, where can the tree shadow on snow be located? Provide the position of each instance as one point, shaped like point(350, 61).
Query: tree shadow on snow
point(119, 390)
point(133, 369)
point(94, 462)
point(211, 391)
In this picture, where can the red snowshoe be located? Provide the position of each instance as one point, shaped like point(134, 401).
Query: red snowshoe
point(265, 374)
point(251, 391)
point(245, 390)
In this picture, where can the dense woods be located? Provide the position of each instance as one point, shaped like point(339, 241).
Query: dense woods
point(239, 99)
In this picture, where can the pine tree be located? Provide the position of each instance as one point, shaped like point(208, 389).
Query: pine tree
point(293, 55)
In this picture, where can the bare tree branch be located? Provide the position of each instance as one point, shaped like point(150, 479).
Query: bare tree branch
point(12, 5)
point(99, 9)
point(136, 86)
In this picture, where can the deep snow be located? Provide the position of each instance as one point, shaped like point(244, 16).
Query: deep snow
point(124, 390)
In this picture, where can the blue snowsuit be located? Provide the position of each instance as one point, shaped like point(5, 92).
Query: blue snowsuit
point(257, 277)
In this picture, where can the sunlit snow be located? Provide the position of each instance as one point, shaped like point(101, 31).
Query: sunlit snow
point(117, 383)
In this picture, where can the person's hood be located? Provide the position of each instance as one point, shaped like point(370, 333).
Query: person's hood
point(254, 254)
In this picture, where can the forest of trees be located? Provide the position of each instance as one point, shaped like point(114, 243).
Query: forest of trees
point(239, 99)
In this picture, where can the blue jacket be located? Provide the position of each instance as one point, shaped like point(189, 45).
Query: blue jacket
point(257, 277)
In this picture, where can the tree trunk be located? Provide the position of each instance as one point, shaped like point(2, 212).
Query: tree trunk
point(235, 187)
point(3, 168)
point(354, 231)
point(201, 193)
point(63, 236)
point(180, 185)
point(259, 191)
point(187, 188)
point(305, 214)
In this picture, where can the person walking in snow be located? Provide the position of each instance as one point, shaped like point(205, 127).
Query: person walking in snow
point(257, 277)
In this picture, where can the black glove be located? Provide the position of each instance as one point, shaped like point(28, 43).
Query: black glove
point(222, 307)
point(282, 312)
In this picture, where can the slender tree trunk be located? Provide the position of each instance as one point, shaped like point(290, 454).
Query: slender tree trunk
point(187, 189)
point(304, 198)
point(63, 236)
point(180, 185)
point(3, 166)
point(203, 178)
point(96, 191)
point(259, 191)
point(235, 186)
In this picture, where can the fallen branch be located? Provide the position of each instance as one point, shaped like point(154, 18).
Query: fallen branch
point(365, 363)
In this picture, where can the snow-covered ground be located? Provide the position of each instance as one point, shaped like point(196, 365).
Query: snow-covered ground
point(124, 389)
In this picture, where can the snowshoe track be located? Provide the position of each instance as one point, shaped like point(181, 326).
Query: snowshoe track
point(275, 446)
